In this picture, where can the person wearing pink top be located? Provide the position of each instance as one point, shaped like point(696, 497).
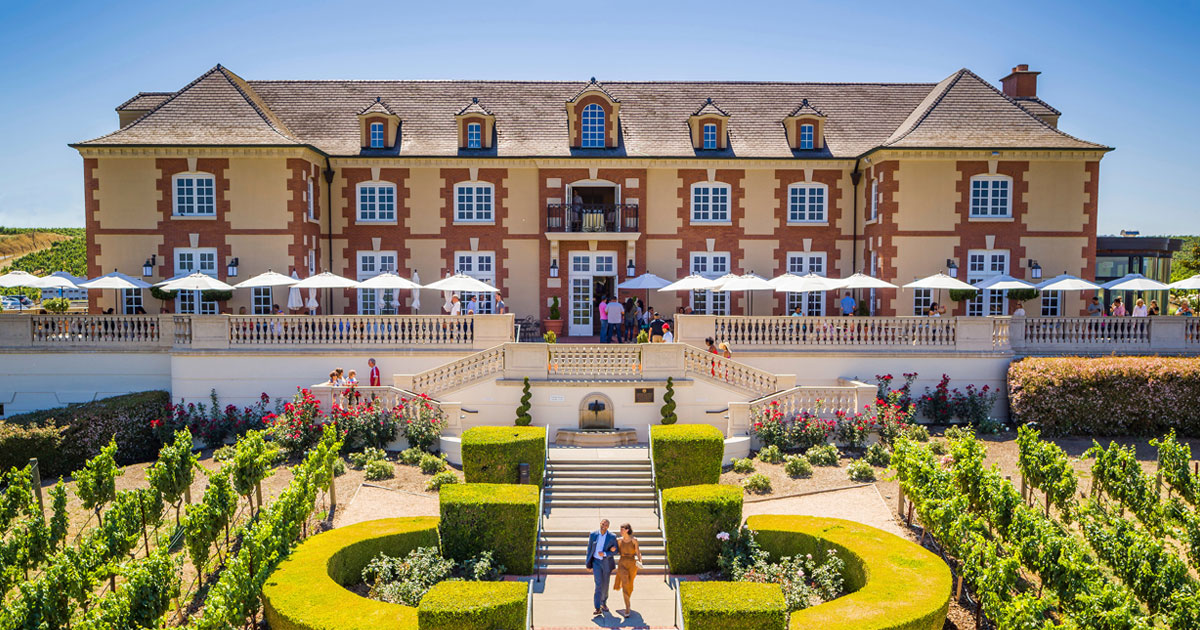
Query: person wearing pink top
point(1118, 308)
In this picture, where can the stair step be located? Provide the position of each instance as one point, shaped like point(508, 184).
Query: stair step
point(600, 466)
point(637, 491)
point(598, 500)
point(599, 474)
point(583, 570)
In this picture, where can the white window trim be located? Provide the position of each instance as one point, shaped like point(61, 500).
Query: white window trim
point(175, 195)
point(477, 142)
point(371, 135)
point(312, 203)
point(710, 296)
point(486, 301)
point(263, 309)
point(824, 220)
point(728, 220)
point(378, 297)
point(716, 144)
point(812, 136)
point(491, 220)
point(1007, 216)
point(603, 117)
point(808, 298)
point(874, 204)
point(974, 277)
point(194, 296)
point(358, 217)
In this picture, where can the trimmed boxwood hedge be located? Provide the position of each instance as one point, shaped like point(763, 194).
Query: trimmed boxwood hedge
point(473, 606)
point(496, 517)
point(306, 591)
point(491, 454)
point(895, 584)
point(693, 516)
point(742, 605)
point(687, 454)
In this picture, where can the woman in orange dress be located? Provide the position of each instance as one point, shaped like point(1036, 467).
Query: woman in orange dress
point(627, 565)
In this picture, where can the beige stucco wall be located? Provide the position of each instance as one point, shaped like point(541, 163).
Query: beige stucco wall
point(425, 201)
point(520, 294)
point(918, 257)
point(128, 195)
point(662, 260)
point(760, 258)
point(662, 201)
point(1056, 255)
point(426, 259)
point(1056, 197)
point(256, 253)
point(926, 195)
point(125, 253)
point(258, 193)
point(523, 213)
point(762, 214)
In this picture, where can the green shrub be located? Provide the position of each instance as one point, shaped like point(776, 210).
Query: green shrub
point(339, 467)
point(19, 443)
point(745, 465)
point(224, 453)
point(757, 483)
point(523, 417)
point(366, 456)
point(88, 428)
point(1107, 395)
point(474, 606)
point(443, 478)
point(798, 466)
point(860, 471)
point(501, 518)
point(725, 605)
point(643, 336)
point(431, 464)
point(687, 454)
point(877, 455)
point(894, 584)
point(493, 454)
point(405, 579)
point(550, 337)
point(1021, 295)
point(668, 408)
point(378, 469)
point(824, 455)
point(937, 447)
point(306, 591)
point(770, 454)
point(410, 456)
point(916, 433)
point(56, 305)
point(693, 516)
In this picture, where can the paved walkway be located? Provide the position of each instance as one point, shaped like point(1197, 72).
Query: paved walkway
point(862, 504)
point(591, 454)
point(372, 502)
point(588, 518)
point(565, 602)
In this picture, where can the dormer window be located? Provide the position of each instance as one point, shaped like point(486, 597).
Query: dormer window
point(708, 125)
point(806, 136)
point(592, 127)
point(474, 135)
point(377, 135)
point(710, 135)
point(475, 124)
point(379, 126)
point(195, 195)
point(805, 127)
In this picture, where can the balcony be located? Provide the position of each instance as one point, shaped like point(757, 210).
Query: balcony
point(592, 217)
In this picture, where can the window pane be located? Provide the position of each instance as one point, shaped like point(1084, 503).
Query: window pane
point(592, 127)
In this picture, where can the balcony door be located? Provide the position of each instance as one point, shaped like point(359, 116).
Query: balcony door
point(591, 206)
point(592, 275)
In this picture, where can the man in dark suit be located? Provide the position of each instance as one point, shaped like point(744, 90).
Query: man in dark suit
point(601, 559)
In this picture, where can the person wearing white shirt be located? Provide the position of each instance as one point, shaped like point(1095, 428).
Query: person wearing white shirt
point(1020, 312)
point(1139, 308)
point(616, 318)
point(455, 306)
point(668, 336)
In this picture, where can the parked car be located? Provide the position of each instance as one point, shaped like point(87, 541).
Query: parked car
point(25, 301)
point(10, 303)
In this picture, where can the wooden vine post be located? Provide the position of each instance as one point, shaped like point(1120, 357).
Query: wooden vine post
point(35, 480)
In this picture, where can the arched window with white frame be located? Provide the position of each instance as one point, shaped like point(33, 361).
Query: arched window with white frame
point(377, 135)
point(991, 196)
point(376, 201)
point(195, 195)
point(710, 202)
point(591, 126)
point(806, 202)
point(473, 202)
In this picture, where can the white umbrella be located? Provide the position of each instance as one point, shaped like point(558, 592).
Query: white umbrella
point(1134, 282)
point(1186, 284)
point(18, 279)
point(114, 280)
point(940, 281)
point(326, 280)
point(312, 302)
point(690, 283)
point(1067, 282)
point(388, 280)
point(54, 282)
point(863, 281)
point(463, 284)
point(416, 300)
point(266, 280)
point(747, 282)
point(646, 281)
point(194, 282)
point(295, 300)
point(792, 283)
point(716, 284)
point(1003, 282)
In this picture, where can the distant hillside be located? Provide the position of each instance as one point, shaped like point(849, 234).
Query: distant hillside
point(42, 251)
point(1185, 263)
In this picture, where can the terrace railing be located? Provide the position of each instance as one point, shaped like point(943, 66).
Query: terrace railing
point(847, 396)
point(592, 217)
point(465, 371)
point(96, 330)
point(706, 365)
point(594, 362)
point(1047, 332)
point(342, 330)
point(836, 332)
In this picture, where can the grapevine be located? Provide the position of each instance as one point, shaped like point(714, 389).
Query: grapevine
point(172, 474)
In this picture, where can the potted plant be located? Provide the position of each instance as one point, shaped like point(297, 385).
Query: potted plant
point(554, 324)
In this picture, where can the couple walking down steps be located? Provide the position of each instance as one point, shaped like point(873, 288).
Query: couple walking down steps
point(607, 553)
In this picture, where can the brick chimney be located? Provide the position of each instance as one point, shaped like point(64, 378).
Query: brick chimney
point(1021, 83)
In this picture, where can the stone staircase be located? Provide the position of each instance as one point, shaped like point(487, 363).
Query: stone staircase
point(610, 484)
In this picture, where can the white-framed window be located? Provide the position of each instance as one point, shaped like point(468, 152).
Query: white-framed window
point(474, 135)
point(806, 136)
point(260, 301)
point(606, 264)
point(806, 203)
point(922, 301)
point(473, 202)
point(711, 265)
point(312, 206)
point(591, 126)
point(1051, 303)
point(195, 195)
point(874, 203)
point(710, 136)
point(376, 201)
point(376, 301)
point(376, 135)
point(991, 196)
point(981, 265)
point(191, 260)
point(801, 263)
point(312, 262)
point(482, 267)
point(710, 202)
point(872, 272)
point(131, 301)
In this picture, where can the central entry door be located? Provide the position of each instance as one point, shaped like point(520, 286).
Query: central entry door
point(588, 270)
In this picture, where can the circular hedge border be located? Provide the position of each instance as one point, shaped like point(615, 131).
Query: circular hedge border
point(895, 583)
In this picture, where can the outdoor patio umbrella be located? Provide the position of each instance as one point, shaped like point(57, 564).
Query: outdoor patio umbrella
point(312, 302)
point(1134, 282)
point(326, 280)
point(55, 282)
point(1004, 282)
point(295, 300)
point(863, 281)
point(646, 282)
point(416, 301)
point(268, 280)
point(462, 283)
point(115, 280)
point(1067, 282)
point(390, 281)
point(792, 283)
point(746, 283)
point(940, 281)
point(18, 279)
point(1187, 284)
point(690, 283)
point(194, 282)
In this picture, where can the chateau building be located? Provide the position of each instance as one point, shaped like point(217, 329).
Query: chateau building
point(563, 189)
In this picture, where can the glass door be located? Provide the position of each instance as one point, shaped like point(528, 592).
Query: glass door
point(581, 306)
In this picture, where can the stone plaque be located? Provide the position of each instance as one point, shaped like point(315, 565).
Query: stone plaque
point(643, 395)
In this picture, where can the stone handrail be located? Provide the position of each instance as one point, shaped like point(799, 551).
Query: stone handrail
point(99, 330)
point(1075, 331)
point(464, 371)
point(1191, 332)
point(331, 396)
point(869, 332)
point(848, 396)
point(711, 366)
point(594, 361)
point(272, 330)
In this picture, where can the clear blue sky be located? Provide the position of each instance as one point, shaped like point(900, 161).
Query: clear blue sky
point(1123, 73)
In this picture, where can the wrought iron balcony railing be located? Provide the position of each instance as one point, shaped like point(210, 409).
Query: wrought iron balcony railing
point(592, 217)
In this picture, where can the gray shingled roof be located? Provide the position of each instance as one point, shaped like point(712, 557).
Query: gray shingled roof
point(961, 111)
point(145, 101)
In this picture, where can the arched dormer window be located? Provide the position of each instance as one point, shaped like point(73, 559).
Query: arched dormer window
point(805, 127)
point(592, 127)
point(379, 126)
point(377, 135)
point(708, 127)
point(475, 126)
point(474, 135)
point(194, 195)
point(710, 135)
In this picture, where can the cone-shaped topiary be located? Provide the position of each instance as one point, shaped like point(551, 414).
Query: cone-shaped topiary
point(523, 417)
point(668, 408)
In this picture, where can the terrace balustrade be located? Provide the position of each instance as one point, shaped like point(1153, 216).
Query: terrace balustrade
point(592, 217)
